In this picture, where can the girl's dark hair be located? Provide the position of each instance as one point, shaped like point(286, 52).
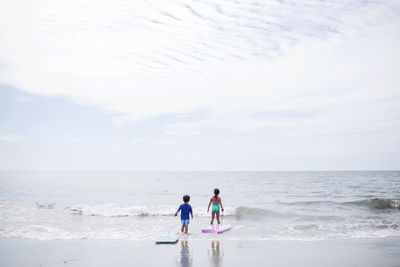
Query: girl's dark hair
point(216, 191)
point(186, 198)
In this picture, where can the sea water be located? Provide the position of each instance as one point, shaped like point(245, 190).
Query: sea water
point(303, 206)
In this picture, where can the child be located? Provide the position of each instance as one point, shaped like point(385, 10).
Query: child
point(216, 202)
point(185, 209)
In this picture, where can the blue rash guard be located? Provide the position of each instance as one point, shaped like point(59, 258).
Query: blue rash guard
point(185, 210)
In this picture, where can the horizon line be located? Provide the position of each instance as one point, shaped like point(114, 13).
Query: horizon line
point(238, 170)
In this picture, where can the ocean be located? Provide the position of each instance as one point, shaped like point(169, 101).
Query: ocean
point(259, 205)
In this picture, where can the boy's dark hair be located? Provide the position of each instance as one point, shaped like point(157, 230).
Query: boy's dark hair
point(186, 198)
point(216, 191)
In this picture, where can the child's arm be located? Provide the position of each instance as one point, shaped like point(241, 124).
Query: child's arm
point(209, 204)
point(220, 202)
point(191, 212)
point(176, 213)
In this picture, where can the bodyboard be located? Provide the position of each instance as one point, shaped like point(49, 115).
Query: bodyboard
point(216, 229)
point(167, 240)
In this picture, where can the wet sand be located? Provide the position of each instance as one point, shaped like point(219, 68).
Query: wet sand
point(372, 252)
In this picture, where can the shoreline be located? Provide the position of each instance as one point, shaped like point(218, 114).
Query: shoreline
point(188, 252)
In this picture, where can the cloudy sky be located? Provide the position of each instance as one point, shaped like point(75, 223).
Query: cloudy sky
point(199, 85)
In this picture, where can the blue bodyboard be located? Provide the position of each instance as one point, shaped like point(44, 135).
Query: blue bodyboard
point(167, 240)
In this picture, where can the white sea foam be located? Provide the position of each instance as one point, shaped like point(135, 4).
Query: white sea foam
point(115, 210)
point(126, 232)
point(39, 232)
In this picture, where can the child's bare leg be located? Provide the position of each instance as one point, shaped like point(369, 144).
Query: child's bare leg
point(218, 218)
point(182, 228)
point(186, 229)
point(212, 217)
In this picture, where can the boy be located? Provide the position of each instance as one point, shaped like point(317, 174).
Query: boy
point(185, 209)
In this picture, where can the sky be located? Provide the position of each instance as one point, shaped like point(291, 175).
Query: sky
point(199, 85)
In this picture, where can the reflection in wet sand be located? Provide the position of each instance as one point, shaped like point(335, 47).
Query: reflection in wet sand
point(186, 258)
point(215, 255)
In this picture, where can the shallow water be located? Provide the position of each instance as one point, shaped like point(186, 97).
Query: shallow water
point(259, 205)
point(231, 253)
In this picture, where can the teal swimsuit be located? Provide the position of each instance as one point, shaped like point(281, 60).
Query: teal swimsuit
point(215, 204)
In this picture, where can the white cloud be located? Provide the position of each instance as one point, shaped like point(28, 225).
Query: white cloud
point(147, 58)
point(12, 138)
point(312, 75)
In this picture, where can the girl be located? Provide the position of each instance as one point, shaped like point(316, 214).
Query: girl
point(216, 203)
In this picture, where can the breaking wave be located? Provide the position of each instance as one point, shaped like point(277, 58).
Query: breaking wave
point(379, 203)
point(251, 212)
point(113, 210)
point(371, 203)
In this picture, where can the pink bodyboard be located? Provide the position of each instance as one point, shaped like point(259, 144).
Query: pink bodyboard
point(216, 229)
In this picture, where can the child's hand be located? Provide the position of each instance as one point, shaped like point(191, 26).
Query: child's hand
point(222, 210)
